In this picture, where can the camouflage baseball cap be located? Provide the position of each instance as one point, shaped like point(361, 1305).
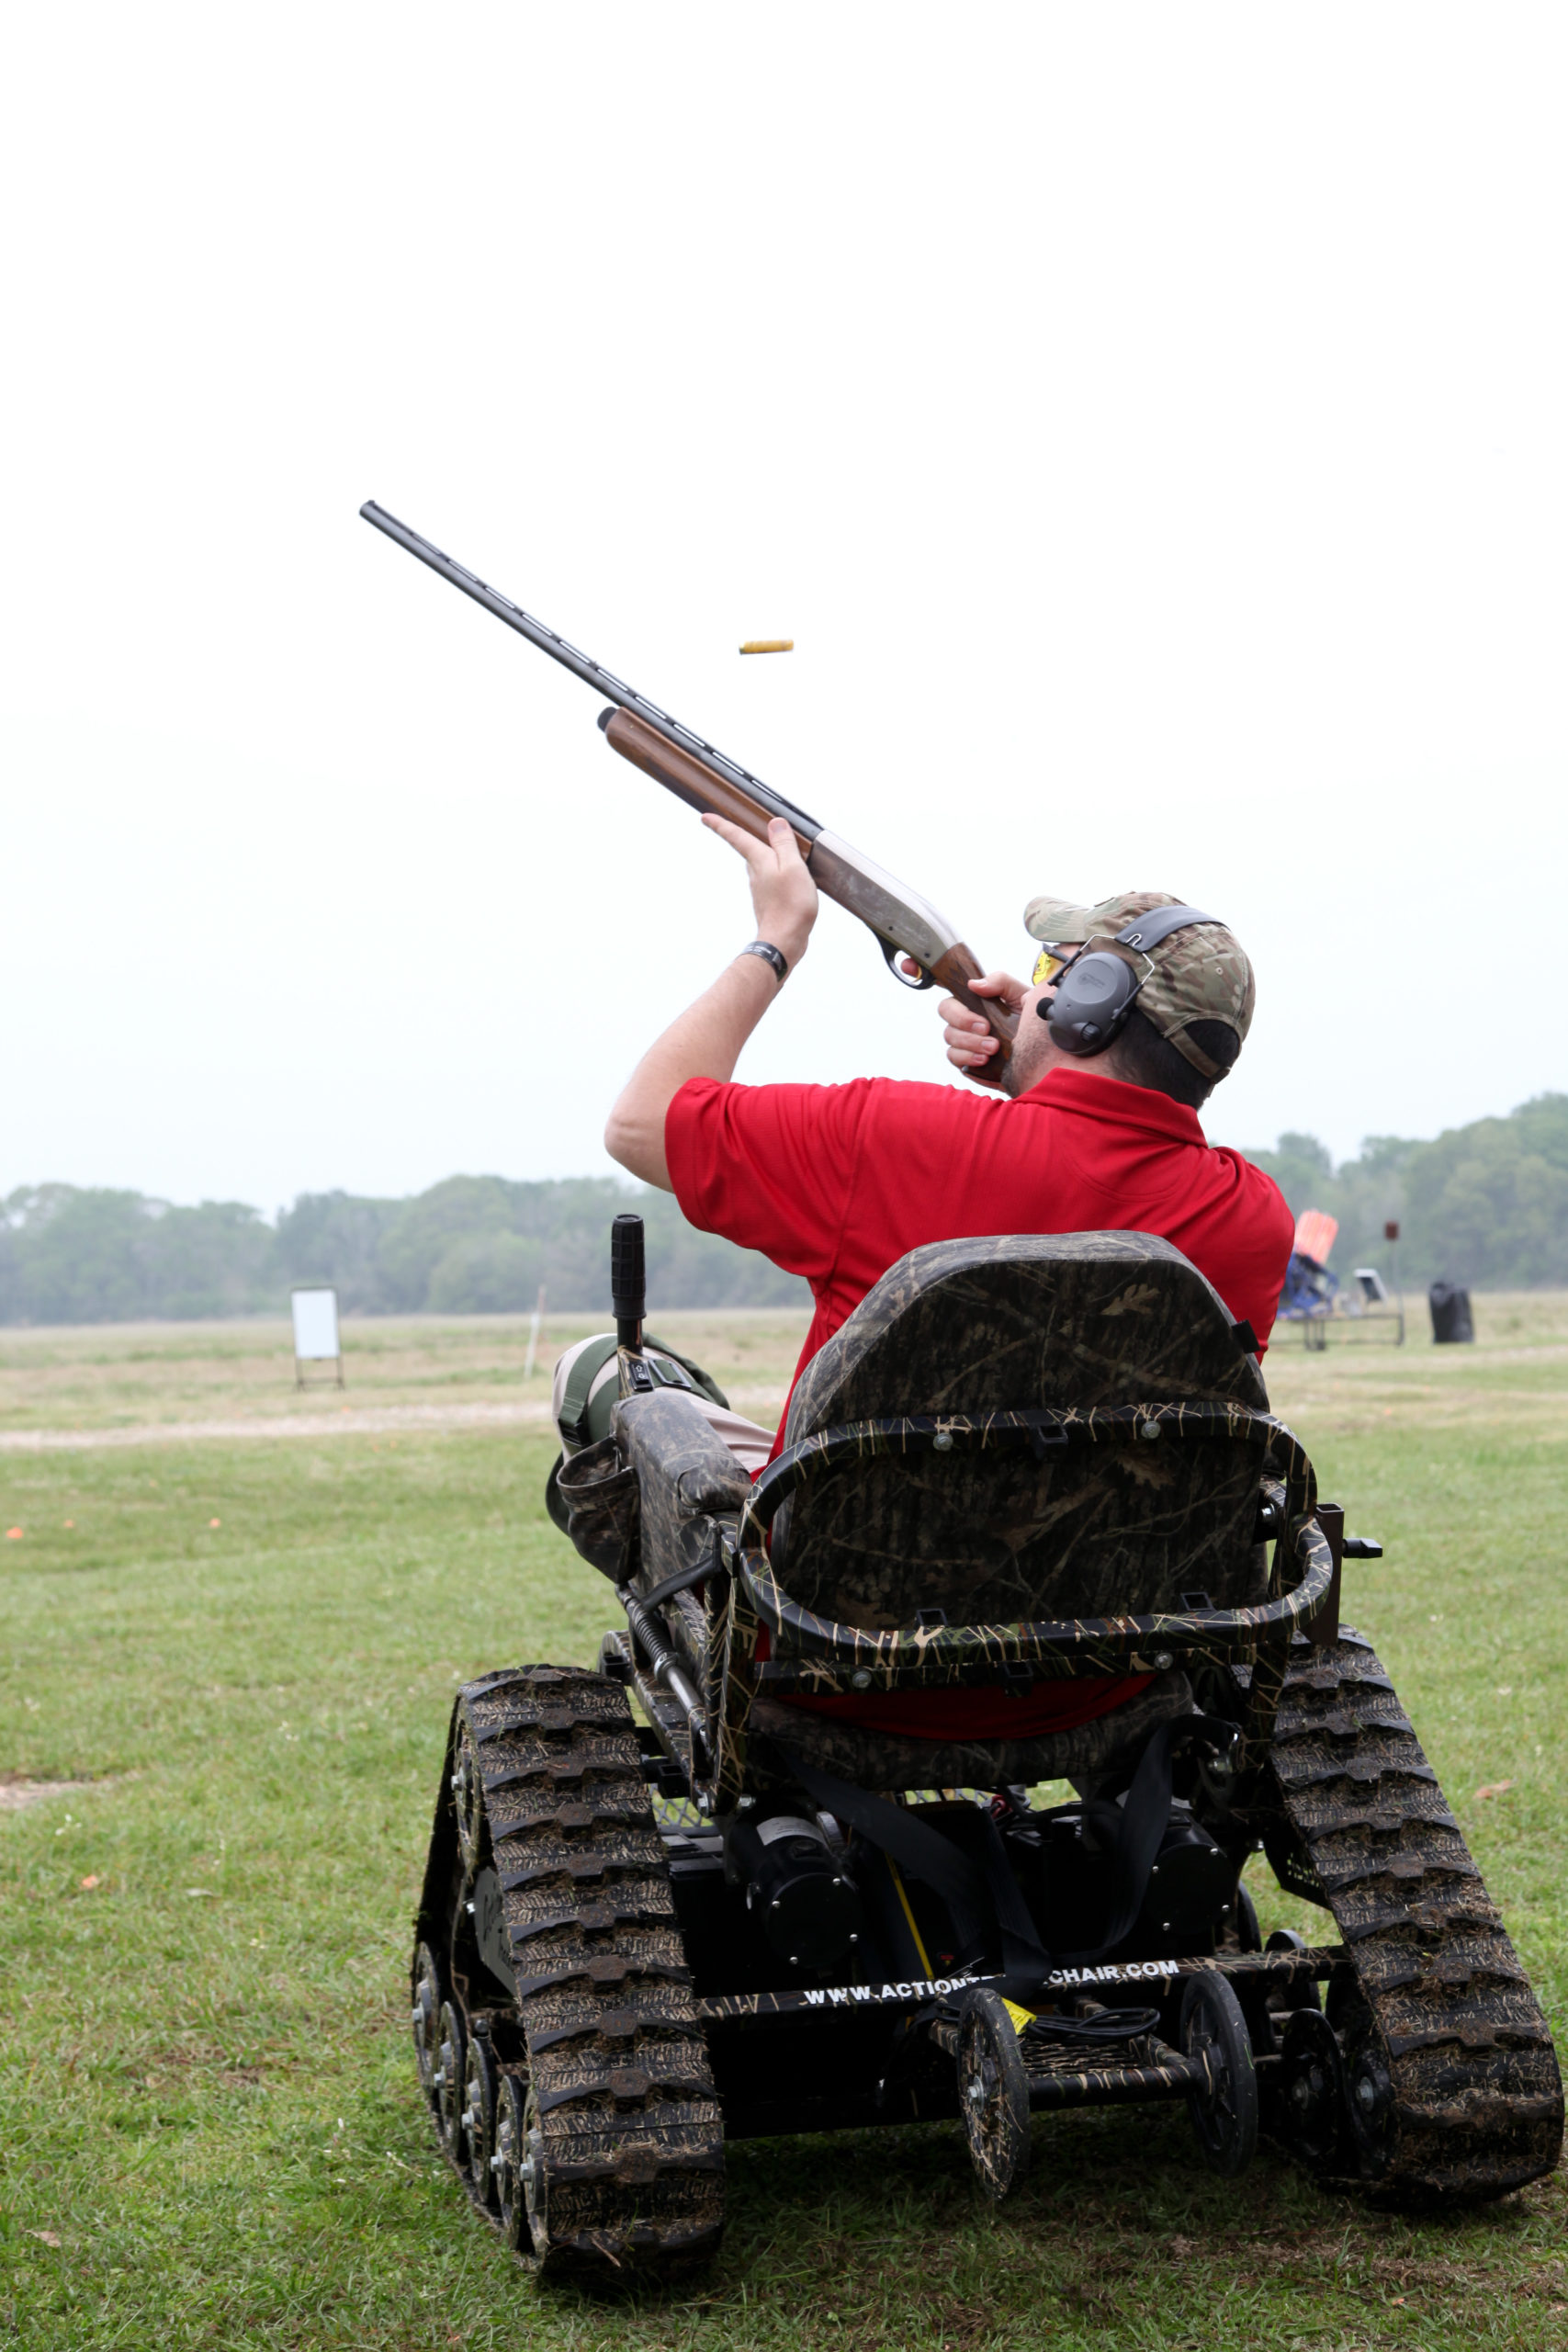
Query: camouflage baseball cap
point(1200, 974)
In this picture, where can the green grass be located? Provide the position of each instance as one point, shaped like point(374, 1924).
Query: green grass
point(207, 2096)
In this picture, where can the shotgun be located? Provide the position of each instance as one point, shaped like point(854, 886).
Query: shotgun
point(901, 922)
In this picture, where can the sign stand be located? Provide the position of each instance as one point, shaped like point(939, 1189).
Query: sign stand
point(1391, 1235)
point(537, 1317)
point(316, 1340)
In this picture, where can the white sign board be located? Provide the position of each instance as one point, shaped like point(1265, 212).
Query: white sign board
point(315, 1326)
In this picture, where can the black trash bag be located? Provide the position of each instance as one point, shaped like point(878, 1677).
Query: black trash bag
point(1450, 1313)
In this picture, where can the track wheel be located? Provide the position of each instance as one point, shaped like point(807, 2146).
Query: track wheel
point(426, 2018)
point(533, 2241)
point(447, 2078)
point(1225, 2116)
point(468, 1802)
point(993, 2093)
point(1310, 2111)
point(1368, 2084)
point(507, 2158)
point(1284, 2000)
point(475, 2123)
point(1303, 1993)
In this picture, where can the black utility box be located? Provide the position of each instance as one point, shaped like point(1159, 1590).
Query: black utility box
point(1450, 1313)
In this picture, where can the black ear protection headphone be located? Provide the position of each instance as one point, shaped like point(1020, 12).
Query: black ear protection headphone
point(1097, 992)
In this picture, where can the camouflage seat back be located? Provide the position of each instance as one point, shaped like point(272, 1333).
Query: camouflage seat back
point(1006, 1324)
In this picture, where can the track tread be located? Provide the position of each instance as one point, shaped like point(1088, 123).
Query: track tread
point(632, 2128)
point(1476, 2099)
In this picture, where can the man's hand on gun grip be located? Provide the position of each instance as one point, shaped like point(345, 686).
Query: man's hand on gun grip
point(970, 1044)
point(784, 896)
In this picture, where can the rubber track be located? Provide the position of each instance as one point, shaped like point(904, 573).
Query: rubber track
point(632, 2128)
point(1477, 2100)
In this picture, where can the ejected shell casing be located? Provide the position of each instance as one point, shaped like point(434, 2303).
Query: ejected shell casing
point(769, 645)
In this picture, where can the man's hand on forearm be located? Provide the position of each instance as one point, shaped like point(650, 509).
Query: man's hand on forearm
point(705, 1041)
point(784, 896)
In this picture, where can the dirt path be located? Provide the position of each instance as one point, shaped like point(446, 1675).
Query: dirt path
point(17, 1792)
point(345, 1421)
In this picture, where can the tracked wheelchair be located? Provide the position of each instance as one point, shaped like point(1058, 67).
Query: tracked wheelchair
point(723, 1886)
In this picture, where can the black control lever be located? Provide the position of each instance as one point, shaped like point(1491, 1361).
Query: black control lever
point(628, 1280)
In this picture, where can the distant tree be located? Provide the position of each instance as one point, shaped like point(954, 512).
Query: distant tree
point(558, 1216)
point(337, 1237)
point(486, 1241)
point(487, 1273)
point(1369, 1193)
point(216, 1259)
point(1485, 1205)
point(1489, 1203)
point(81, 1255)
point(1301, 1168)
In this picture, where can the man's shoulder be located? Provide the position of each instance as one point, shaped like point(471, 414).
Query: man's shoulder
point(802, 1090)
point(1260, 1199)
point(779, 1122)
point(1256, 1180)
point(890, 1099)
point(892, 1108)
point(924, 1094)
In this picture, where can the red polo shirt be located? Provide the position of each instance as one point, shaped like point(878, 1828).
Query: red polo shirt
point(836, 1182)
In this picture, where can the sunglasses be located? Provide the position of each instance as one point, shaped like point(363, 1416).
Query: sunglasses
point(1047, 966)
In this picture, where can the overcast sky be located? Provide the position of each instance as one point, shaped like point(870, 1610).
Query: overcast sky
point(1149, 422)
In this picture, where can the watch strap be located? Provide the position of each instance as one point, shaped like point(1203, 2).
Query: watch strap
point(769, 954)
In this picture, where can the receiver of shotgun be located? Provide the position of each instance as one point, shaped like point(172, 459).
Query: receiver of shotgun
point(901, 921)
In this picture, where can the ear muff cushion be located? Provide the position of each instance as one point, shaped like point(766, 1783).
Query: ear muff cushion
point(1090, 1002)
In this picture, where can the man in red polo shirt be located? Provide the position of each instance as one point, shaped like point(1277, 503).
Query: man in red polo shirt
point(837, 1183)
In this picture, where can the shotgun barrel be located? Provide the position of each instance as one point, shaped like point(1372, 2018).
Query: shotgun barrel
point(901, 921)
point(593, 673)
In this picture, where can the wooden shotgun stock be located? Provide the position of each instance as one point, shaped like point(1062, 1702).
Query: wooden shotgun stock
point(901, 922)
point(689, 778)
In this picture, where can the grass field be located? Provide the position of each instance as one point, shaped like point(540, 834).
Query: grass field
point(416, 1370)
point(238, 1650)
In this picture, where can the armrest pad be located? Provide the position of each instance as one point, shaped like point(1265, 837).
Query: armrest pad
point(677, 1455)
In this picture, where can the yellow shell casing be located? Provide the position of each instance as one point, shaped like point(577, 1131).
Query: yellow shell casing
point(769, 645)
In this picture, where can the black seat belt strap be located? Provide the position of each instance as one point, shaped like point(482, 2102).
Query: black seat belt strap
point(979, 1898)
point(918, 1849)
point(1139, 1828)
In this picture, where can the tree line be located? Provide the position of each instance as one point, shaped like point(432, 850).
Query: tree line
point(471, 1244)
point(1485, 1205)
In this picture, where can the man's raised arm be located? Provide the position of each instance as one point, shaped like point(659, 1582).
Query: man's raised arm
point(706, 1039)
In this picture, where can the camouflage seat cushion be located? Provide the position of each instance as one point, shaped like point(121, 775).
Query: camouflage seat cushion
point(1005, 1323)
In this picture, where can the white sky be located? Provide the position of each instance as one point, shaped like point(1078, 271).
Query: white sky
point(1149, 422)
